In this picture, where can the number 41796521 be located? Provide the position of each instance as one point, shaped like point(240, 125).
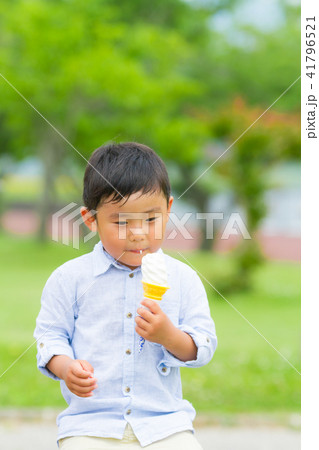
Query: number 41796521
point(310, 46)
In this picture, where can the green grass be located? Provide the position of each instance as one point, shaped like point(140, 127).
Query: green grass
point(246, 373)
point(18, 188)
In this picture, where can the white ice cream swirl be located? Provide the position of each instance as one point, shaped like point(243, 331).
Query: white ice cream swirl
point(154, 269)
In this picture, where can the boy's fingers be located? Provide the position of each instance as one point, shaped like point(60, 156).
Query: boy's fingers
point(79, 371)
point(147, 315)
point(141, 332)
point(153, 306)
point(143, 324)
point(82, 390)
point(79, 394)
point(85, 382)
point(86, 366)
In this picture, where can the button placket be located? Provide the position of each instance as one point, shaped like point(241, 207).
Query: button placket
point(129, 339)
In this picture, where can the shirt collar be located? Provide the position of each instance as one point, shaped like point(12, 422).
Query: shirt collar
point(102, 260)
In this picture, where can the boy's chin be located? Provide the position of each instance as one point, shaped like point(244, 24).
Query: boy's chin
point(131, 265)
point(132, 262)
point(133, 259)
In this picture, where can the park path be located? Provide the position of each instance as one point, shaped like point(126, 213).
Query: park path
point(17, 433)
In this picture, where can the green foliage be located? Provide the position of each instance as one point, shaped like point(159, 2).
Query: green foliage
point(248, 257)
point(137, 70)
point(256, 64)
point(247, 164)
point(96, 76)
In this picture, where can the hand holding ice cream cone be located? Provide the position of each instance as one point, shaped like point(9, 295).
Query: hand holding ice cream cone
point(152, 323)
point(154, 279)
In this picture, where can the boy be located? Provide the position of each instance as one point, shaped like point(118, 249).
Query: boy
point(90, 322)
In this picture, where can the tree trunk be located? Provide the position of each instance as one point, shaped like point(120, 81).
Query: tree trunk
point(199, 198)
point(50, 155)
point(2, 208)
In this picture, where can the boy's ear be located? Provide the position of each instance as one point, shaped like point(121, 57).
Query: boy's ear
point(169, 206)
point(170, 202)
point(89, 218)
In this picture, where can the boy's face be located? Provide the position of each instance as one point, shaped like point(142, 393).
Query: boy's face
point(126, 228)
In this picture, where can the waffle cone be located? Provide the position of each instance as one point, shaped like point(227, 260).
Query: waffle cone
point(154, 291)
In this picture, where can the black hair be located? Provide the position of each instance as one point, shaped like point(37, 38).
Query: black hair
point(119, 170)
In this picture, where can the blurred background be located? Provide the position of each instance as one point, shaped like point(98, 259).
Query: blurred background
point(191, 79)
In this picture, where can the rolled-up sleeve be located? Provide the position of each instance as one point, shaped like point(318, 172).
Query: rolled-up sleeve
point(55, 322)
point(196, 321)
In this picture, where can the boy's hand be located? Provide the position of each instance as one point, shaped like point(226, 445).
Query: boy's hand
point(78, 376)
point(154, 325)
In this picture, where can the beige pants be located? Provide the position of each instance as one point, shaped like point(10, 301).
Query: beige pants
point(184, 440)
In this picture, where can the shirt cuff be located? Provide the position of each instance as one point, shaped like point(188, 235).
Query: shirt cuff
point(46, 350)
point(206, 345)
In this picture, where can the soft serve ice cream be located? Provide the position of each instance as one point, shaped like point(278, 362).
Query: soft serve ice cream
point(154, 269)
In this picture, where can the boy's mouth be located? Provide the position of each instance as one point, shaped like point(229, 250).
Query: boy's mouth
point(138, 251)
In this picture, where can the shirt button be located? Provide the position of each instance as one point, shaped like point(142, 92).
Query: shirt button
point(127, 389)
point(41, 345)
point(128, 351)
point(207, 339)
point(164, 369)
point(128, 411)
point(129, 315)
point(131, 275)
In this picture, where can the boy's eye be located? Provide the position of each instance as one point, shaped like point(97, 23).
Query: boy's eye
point(123, 222)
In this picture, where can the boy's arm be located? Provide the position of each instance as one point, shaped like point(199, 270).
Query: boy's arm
point(55, 322)
point(58, 365)
point(181, 345)
point(155, 326)
point(193, 342)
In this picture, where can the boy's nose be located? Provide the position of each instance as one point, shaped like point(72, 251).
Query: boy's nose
point(137, 234)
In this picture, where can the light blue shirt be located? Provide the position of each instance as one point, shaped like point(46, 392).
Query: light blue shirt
point(88, 308)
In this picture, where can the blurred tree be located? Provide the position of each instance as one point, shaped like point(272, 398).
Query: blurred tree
point(247, 166)
point(270, 62)
point(8, 155)
point(257, 64)
point(4, 145)
point(96, 77)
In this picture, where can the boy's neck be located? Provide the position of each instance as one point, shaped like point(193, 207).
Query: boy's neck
point(118, 262)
